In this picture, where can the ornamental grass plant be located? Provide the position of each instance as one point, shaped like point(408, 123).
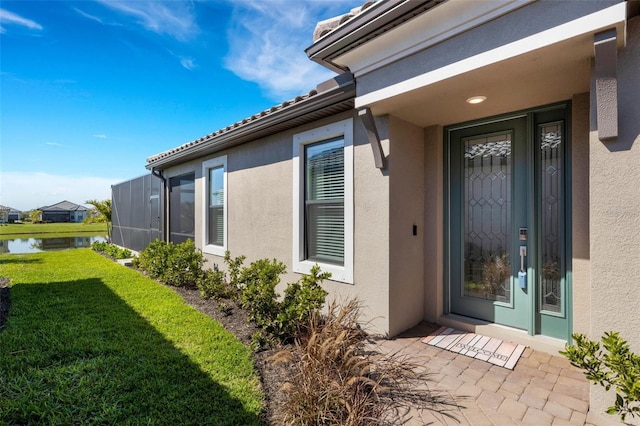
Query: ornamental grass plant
point(336, 377)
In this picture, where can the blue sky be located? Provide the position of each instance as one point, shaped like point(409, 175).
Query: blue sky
point(90, 89)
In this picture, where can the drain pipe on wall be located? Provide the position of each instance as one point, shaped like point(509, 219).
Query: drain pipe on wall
point(165, 204)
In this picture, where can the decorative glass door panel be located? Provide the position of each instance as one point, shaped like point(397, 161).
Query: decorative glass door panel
point(551, 266)
point(487, 192)
point(551, 229)
point(487, 217)
point(507, 232)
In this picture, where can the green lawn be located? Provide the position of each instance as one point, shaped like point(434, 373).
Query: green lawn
point(20, 230)
point(91, 342)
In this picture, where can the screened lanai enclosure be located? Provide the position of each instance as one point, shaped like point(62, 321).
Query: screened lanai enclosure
point(137, 212)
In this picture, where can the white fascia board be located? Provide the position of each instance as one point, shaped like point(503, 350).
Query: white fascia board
point(440, 23)
point(592, 23)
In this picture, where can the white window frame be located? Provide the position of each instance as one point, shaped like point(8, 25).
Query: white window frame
point(206, 166)
point(343, 129)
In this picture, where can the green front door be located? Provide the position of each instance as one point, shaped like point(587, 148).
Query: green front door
point(507, 221)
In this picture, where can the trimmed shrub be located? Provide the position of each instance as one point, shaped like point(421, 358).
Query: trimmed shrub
point(184, 265)
point(234, 267)
point(178, 265)
point(213, 284)
point(111, 250)
point(154, 259)
point(259, 295)
point(301, 300)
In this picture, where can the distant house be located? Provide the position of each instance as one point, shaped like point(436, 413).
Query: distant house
point(64, 211)
point(8, 214)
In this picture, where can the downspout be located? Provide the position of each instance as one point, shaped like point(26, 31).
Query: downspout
point(165, 203)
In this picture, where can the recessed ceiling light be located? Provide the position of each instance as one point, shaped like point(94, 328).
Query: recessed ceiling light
point(476, 99)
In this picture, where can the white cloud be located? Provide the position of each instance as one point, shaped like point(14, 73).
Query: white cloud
point(54, 144)
point(100, 136)
point(29, 190)
point(267, 42)
point(173, 18)
point(7, 17)
point(188, 63)
point(88, 16)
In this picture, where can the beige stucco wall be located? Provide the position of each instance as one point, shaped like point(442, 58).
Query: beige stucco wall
point(406, 209)
point(260, 213)
point(371, 215)
point(433, 222)
point(614, 172)
point(259, 191)
point(580, 265)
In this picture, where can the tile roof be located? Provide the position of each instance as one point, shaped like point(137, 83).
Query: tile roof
point(325, 27)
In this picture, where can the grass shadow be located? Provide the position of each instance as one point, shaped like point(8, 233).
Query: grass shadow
point(79, 354)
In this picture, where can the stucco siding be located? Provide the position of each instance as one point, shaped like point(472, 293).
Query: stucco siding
point(371, 262)
point(260, 214)
point(580, 266)
point(433, 223)
point(259, 191)
point(406, 211)
point(615, 212)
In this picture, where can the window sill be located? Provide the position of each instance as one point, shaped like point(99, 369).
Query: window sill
point(338, 273)
point(214, 250)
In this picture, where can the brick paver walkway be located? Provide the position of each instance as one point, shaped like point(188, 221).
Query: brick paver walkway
point(542, 389)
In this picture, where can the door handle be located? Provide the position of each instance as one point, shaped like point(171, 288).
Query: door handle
point(522, 274)
point(523, 254)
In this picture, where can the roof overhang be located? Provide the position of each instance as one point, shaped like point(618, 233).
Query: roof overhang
point(332, 97)
point(380, 17)
point(545, 67)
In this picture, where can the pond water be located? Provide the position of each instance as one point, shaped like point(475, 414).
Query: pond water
point(35, 245)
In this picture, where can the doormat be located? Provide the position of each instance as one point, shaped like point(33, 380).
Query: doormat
point(495, 351)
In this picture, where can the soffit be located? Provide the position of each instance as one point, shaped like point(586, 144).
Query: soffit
point(543, 77)
point(553, 72)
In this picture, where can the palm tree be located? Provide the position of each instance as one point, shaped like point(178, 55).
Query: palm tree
point(104, 210)
point(35, 215)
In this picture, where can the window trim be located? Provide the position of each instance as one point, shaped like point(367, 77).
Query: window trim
point(206, 166)
point(343, 129)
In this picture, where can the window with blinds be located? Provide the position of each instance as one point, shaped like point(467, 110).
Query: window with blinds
point(216, 206)
point(324, 201)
